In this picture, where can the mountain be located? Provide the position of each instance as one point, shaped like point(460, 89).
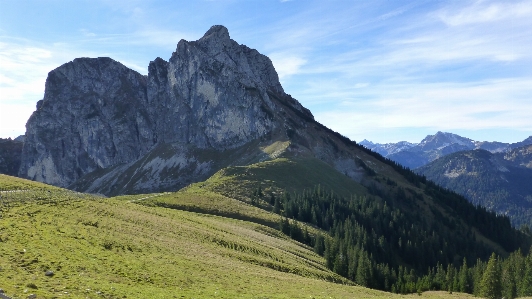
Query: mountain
point(527, 141)
point(10, 153)
point(387, 148)
point(214, 122)
point(498, 181)
point(104, 128)
point(432, 147)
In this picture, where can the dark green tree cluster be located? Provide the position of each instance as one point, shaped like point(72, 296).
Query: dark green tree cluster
point(389, 244)
point(509, 278)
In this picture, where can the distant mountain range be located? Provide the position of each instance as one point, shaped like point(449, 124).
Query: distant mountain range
point(497, 181)
point(495, 175)
point(414, 155)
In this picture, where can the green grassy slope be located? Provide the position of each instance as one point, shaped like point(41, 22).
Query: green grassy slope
point(9, 183)
point(278, 175)
point(115, 248)
point(196, 243)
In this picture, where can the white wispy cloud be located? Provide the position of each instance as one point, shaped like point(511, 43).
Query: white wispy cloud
point(25, 66)
point(461, 65)
point(286, 64)
point(484, 12)
point(501, 104)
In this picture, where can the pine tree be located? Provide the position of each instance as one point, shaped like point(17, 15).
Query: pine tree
point(277, 206)
point(331, 250)
point(526, 282)
point(295, 231)
point(341, 263)
point(463, 278)
point(509, 287)
point(319, 244)
point(363, 276)
point(490, 286)
point(284, 226)
point(449, 278)
point(272, 199)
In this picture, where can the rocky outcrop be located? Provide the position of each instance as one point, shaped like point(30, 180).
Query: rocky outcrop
point(93, 115)
point(99, 120)
point(212, 93)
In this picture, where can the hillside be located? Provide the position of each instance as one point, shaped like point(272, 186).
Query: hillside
point(394, 222)
point(115, 248)
point(212, 244)
point(499, 182)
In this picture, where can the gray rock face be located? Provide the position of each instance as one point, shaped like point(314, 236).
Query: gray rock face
point(99, 117)
point(93, 115)
point(213, 93)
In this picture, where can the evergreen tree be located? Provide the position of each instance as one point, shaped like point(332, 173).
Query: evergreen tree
point(509, 287)
point(272, 199)
point(284, 226)
point(319, 244)
point(490, 286)
point(477, 272)
point(340, 263)
point(526, 282)
point(449, 278)
point(363, 276)
point(331, 250)
point(295, 231)
point(277, 206)
point(463, 278)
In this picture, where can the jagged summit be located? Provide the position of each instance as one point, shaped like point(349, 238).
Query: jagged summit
point(219, 32)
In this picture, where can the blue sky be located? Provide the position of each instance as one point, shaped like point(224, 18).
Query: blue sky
point(385, 71)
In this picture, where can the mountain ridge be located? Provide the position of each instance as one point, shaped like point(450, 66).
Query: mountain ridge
point(432, 147)
point(497, 181)
point(97, 116)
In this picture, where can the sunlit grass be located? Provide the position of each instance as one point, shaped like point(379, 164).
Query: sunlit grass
point(205, 245)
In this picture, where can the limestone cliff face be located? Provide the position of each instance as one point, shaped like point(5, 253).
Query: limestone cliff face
point(100, 119)
point(212, 93)
point(93, 115)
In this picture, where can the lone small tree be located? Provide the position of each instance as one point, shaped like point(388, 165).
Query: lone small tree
point(490, 286)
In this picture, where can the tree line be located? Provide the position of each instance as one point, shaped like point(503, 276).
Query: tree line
point(391, 245)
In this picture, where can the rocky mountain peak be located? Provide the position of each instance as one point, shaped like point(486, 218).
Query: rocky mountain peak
point(217, 32)
point(98, 116)
point(443, 139)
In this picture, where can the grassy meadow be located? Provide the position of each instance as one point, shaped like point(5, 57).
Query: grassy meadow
point(202, 245)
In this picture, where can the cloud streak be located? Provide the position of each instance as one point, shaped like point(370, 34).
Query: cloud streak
point(501, 104)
